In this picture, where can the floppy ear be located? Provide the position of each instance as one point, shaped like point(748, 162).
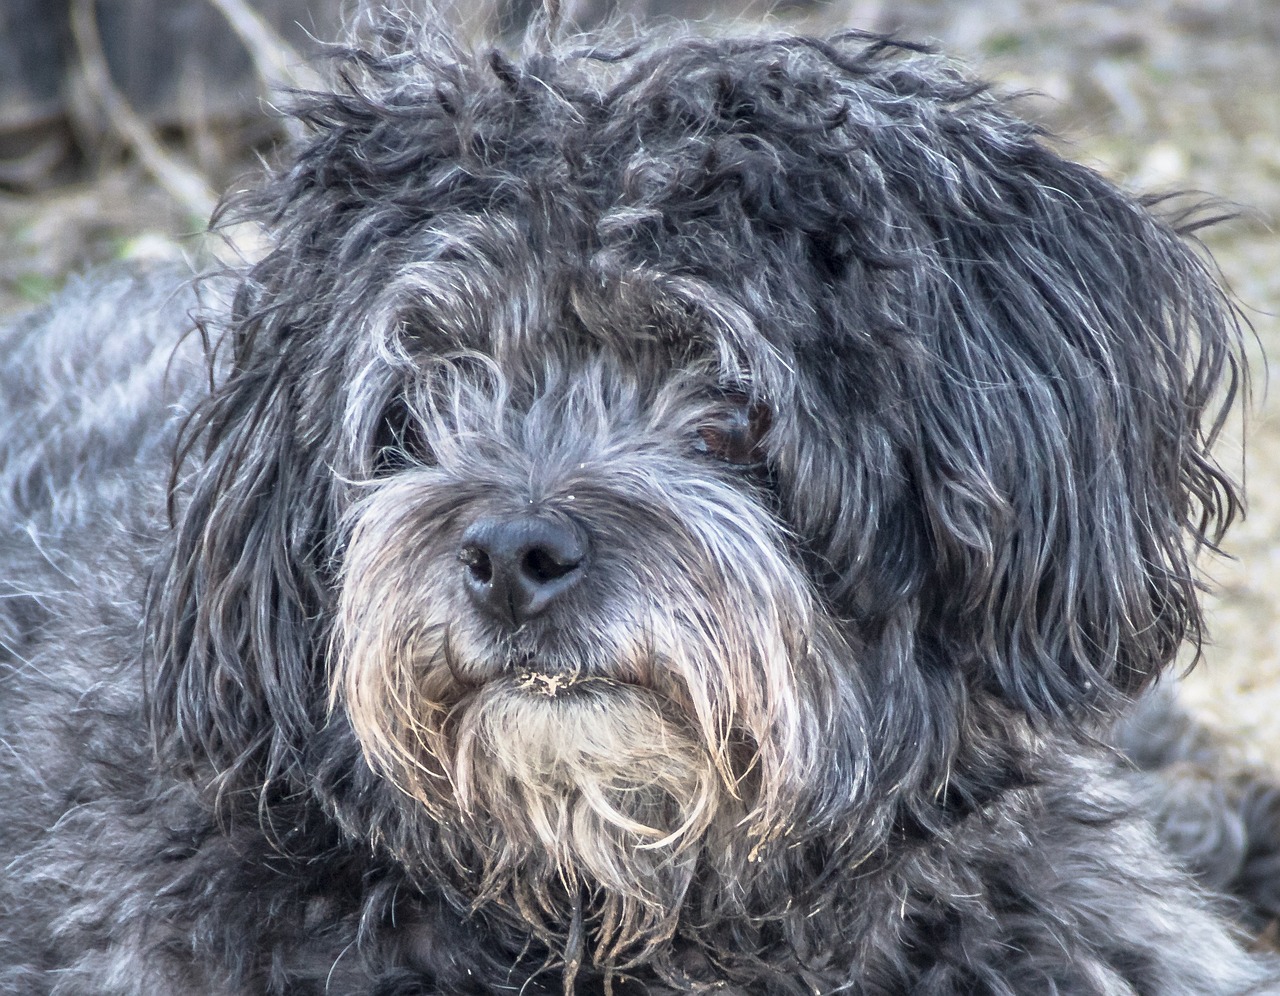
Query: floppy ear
point(235, 607)
point(1080, 358)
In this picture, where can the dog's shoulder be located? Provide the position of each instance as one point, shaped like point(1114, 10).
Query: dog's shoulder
point(91, 384)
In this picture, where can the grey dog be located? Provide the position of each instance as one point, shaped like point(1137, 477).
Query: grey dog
point(658, 518)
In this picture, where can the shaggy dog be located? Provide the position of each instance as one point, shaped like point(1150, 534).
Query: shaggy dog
point(654, 520)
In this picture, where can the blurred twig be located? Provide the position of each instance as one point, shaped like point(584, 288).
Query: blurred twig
point(277, 63)
point(179, 179)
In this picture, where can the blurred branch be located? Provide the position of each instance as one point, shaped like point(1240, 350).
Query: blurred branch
point(277, 63)
point(182, 181)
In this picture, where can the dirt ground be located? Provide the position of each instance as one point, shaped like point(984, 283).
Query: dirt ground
point(1158, 94)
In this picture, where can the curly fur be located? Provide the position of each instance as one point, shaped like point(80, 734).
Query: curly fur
point(888, 428)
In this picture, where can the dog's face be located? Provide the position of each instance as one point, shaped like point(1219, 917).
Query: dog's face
point(640, 467)
point(571, 615)
point(572, 620)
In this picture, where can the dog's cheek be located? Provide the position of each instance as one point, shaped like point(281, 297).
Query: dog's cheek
point(389, 651)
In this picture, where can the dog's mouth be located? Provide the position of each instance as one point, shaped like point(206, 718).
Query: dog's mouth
point(548, 675)
point(554, 684)
point(548, 684)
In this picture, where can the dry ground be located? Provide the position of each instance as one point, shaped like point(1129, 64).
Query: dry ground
point(1159, 95)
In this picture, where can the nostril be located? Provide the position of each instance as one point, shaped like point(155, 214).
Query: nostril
point(477, 563)
point(543, 566)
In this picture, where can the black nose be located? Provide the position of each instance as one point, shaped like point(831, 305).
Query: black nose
point(516, 566)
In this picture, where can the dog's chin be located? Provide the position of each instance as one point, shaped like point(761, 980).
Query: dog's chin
point(584, 793)
point(538, 745)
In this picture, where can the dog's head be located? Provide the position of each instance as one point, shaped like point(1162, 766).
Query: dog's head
point(631, 465)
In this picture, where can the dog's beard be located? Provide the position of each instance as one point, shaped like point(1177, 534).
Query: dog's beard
point(665, 736)
point(592, 805)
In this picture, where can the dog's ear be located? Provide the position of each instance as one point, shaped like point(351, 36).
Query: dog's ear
point(234, 612)
point(1075, 358)
point(1083, 358)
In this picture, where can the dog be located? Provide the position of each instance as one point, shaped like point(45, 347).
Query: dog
point(667, 517)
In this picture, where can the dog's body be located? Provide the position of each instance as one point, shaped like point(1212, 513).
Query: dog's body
point(663, 521)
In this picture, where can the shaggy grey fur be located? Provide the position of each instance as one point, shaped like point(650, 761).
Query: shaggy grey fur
point(655, 520)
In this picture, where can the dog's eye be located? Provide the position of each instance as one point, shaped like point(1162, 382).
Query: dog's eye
point(400, 442)
point(734, 433)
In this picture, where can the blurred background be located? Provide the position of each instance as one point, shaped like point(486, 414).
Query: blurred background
point(121, 120)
